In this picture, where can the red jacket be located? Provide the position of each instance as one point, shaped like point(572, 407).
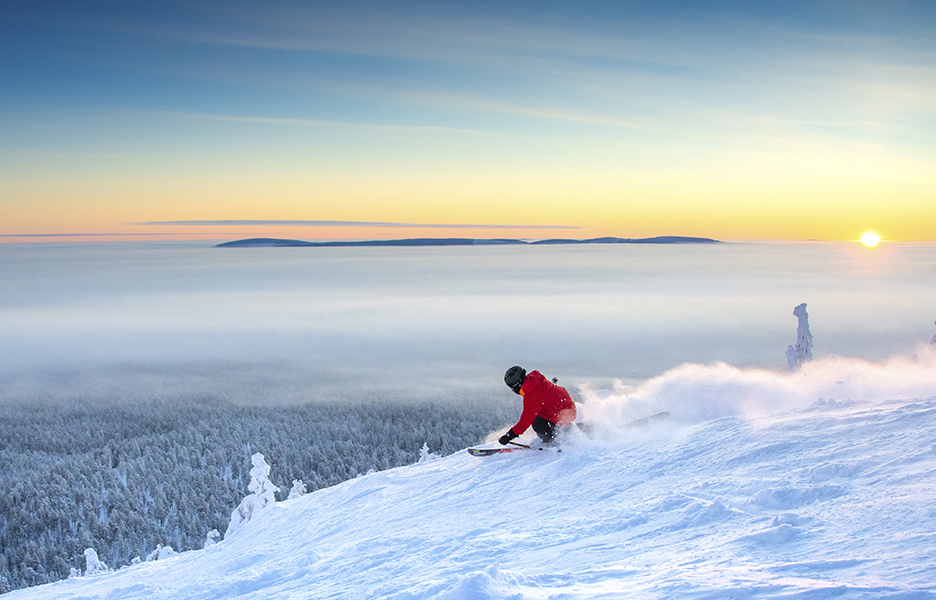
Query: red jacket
point(543, 398)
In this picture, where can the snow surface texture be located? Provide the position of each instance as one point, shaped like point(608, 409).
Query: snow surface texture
point(814, 484)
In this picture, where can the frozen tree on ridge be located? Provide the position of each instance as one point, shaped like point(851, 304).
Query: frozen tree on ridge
point(262, 495)
point(425, 455)
point(802, 352)
point(93, 564)
point(160, 553)
point(212, 538)
point(298, 489)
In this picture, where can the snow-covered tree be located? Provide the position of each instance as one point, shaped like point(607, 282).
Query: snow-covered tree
point(262, 495)
point(212, 538)
point(933, 341)
point(298, 489)
point(160, 553)
point(93, 564)
point(802, 352)
point(425, 455)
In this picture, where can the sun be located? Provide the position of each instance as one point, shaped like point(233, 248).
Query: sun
point(870, 239)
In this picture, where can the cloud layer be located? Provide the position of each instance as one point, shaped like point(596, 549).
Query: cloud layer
point(314, 223)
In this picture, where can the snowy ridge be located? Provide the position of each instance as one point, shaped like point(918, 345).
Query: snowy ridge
point(755, 487)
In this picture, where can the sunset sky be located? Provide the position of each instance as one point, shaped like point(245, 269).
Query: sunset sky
point(349, 120)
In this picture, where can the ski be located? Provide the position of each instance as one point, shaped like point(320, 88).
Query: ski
point(660, 416)
point(493, 451)
point(490, 451)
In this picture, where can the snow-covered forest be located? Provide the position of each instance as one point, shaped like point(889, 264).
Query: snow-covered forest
point(810, 484)
point(125, 479)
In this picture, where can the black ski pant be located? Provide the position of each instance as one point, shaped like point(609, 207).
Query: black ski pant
point(546, 430)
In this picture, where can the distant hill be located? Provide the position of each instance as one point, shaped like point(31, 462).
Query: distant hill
point(276, 243)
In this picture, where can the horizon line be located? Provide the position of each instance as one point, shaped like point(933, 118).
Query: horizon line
point(326, 223)
point(147, 233)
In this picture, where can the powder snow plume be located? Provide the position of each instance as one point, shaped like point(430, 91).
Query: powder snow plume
point(694, 393)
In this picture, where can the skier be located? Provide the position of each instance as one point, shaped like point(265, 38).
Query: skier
point(546, 406)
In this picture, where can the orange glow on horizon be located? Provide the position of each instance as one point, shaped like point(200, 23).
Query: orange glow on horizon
point(634, 204)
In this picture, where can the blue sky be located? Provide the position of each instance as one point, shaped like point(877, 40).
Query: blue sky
point(740, 115)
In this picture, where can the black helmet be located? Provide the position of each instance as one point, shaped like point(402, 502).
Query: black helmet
point(514, 378)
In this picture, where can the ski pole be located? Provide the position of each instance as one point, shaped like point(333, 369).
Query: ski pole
point(518, 444)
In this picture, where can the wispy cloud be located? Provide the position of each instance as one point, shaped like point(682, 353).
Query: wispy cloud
point(70, 235)
point(319, 123)
point(446, 100)
point(316, 223)
point(412, 32)
point(475, 103)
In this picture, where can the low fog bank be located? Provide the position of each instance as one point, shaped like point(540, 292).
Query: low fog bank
point(143, 321)
point(694, 393)
point(691, 391)
point(242, 383)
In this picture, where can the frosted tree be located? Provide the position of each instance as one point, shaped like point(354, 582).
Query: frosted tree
point(802, 352)
point(425, 455)
point(212, 538)
point(298, 489)
point(93, 564)
point(160, 553)
point(933, 341)
point(262, 495)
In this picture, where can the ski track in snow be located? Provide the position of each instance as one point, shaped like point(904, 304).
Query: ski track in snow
point(823, 501)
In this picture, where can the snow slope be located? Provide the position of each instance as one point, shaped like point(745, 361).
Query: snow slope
point(756, 487)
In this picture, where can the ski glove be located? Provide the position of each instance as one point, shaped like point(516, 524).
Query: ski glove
point(505, 439)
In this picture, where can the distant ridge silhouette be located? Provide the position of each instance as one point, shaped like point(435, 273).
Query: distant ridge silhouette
point(277, 243)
